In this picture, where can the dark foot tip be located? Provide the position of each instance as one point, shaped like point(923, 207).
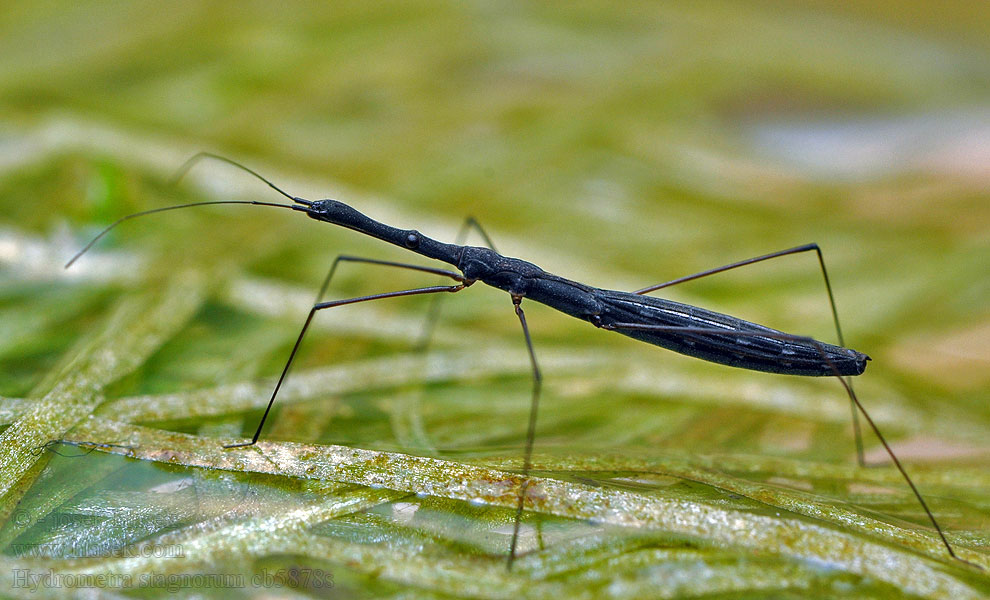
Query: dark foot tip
point(969, 564)
point(241, 445)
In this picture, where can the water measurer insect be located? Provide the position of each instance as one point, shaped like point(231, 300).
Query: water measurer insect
point(686, 329)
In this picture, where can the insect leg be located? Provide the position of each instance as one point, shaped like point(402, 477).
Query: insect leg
point(346, 258)
point(386, 263)
point(472, 223)
point(845, 384)
point(531, 429)
point(857, 433)
point(309, 319)
point(433, 313)
point(89, 447)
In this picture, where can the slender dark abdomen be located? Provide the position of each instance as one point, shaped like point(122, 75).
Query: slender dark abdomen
point(777, 352)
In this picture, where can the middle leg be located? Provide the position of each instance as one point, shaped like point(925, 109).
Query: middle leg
point(530, 430)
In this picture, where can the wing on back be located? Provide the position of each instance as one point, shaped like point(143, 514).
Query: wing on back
point(793, 356)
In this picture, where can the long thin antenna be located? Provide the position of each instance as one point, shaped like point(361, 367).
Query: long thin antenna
point(163, 209)
point(183, 170)
point(189, 164)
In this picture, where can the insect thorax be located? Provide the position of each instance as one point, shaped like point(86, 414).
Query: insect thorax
point(509, 274)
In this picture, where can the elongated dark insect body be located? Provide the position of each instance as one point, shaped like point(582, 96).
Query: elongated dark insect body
point(606, 308)
point(686, 329)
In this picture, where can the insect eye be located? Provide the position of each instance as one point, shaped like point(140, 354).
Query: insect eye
point(412, 240)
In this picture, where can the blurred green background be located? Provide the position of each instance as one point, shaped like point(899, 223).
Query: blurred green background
point(619, 145)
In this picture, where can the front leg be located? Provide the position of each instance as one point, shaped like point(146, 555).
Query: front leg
point(309, 319)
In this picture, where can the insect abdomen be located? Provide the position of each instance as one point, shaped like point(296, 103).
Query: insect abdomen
point(745, 345)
